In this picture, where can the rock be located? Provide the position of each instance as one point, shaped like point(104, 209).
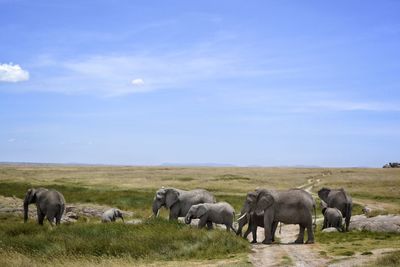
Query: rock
point(72, 215)
point(134, 221)
point(380, 223)
point(330, 230)
point(366, 210)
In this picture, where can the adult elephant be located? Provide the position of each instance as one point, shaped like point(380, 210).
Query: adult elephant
point(251, 218)
point(338, 198)
point(49, 204)
point(179, 201)
point(294, 206)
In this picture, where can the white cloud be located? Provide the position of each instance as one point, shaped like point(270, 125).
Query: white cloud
point(13, 73)
point(137, 82)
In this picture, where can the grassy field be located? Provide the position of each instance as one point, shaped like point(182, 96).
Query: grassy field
point(133, 188)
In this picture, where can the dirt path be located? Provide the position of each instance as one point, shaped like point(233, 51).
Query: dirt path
point(284, 253)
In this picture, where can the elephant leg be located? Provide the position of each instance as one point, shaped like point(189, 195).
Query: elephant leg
point(40, 216)
point(210, 225)
point(300, 237)
point(310, 234)
point(247, 232)
point(347, 221)
point(324, 225)
point(228, 227)
point(202, 222)
point(254, 233)
point(274, 226)
point(58, 218)
point(267, 230)
point(173, 216)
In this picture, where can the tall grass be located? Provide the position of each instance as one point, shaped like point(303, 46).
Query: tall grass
point(156, 239)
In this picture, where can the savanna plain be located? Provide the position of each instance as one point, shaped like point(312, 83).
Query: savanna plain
point(155, 242)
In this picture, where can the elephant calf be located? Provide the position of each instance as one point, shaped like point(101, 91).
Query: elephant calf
point(208, 213)
point(49, 204)
point(111, 215)
point(332, 217)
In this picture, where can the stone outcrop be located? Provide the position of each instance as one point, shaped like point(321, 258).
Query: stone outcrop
point(380, 223)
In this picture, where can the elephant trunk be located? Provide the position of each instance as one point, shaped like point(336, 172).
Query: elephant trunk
point(188, 219)
point(156, 208)
point(122, 218)
point(26, 211)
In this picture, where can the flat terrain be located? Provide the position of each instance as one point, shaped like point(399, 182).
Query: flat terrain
point(132, 189)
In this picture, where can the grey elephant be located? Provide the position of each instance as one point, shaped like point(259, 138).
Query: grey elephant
point(111, 215)
point(338, 198)
point(179, 201)
point(254, 220)
point(332, 217)
point(208, 213)
point(294, 206)
point(49, 204)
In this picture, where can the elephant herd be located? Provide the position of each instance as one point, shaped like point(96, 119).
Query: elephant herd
point(261, 208)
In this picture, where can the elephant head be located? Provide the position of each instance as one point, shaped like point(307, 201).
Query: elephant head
point(118, 214)
point(165, 197)
point(30, 197)
point(250, 201)
point(196, 211)
point(323, 193)
point(263, 201)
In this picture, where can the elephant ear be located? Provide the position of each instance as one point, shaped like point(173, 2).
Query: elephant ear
point(323, 194)
point(201, 210)
point(172, 196)
point(264, 201)
point(30, 196)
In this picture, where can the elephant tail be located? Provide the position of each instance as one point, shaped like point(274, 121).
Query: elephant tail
point(315, 217)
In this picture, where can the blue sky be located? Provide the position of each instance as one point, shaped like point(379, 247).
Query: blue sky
point(270, 83)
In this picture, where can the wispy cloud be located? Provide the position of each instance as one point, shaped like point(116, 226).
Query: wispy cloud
point(346, 105)
point(13, 73)
point(149, 70)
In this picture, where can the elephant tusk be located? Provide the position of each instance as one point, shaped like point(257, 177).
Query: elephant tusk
point(241, 217)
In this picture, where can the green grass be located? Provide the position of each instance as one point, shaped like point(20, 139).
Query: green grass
point(156, 239)
point(346, 244)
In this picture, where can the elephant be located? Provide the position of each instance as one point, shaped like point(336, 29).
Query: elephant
point(294, 206)
point(111, 215)
point(208, 213)
point(338, 198)
point(179, 201)
point(49, 203)
point(254, 221)
point(332, 217)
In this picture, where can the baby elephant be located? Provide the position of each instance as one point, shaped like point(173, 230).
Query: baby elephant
point(111, 215)
point(208, 213)
point(332, 217)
